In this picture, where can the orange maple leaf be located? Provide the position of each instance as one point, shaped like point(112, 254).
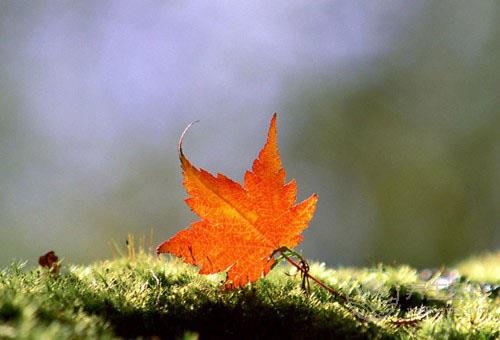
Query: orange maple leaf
point(241, 226)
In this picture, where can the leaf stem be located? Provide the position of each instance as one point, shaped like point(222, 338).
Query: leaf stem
point(333, 291)
point(304, 269)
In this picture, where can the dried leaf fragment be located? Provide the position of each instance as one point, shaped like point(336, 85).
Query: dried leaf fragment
point(50, 261)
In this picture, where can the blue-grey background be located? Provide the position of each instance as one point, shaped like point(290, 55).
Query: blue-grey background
point(388, 110)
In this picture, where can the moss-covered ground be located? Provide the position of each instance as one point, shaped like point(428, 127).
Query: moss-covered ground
point(141, 296)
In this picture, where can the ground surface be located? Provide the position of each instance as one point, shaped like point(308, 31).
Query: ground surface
point(141, 296)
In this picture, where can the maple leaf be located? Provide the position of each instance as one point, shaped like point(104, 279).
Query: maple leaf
point(241, 226)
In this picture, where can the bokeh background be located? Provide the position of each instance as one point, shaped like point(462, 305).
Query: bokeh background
point(389, 111)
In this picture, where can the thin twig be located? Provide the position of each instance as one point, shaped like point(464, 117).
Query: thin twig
point(304, 269)
point(318, 282)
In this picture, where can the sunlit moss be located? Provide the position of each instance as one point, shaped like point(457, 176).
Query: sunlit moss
point(145, 296)
point(485, 268)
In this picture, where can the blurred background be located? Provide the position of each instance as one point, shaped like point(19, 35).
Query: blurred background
point(389, 111)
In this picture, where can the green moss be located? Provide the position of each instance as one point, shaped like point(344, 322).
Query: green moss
point(151, 297)
point(484, 268)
